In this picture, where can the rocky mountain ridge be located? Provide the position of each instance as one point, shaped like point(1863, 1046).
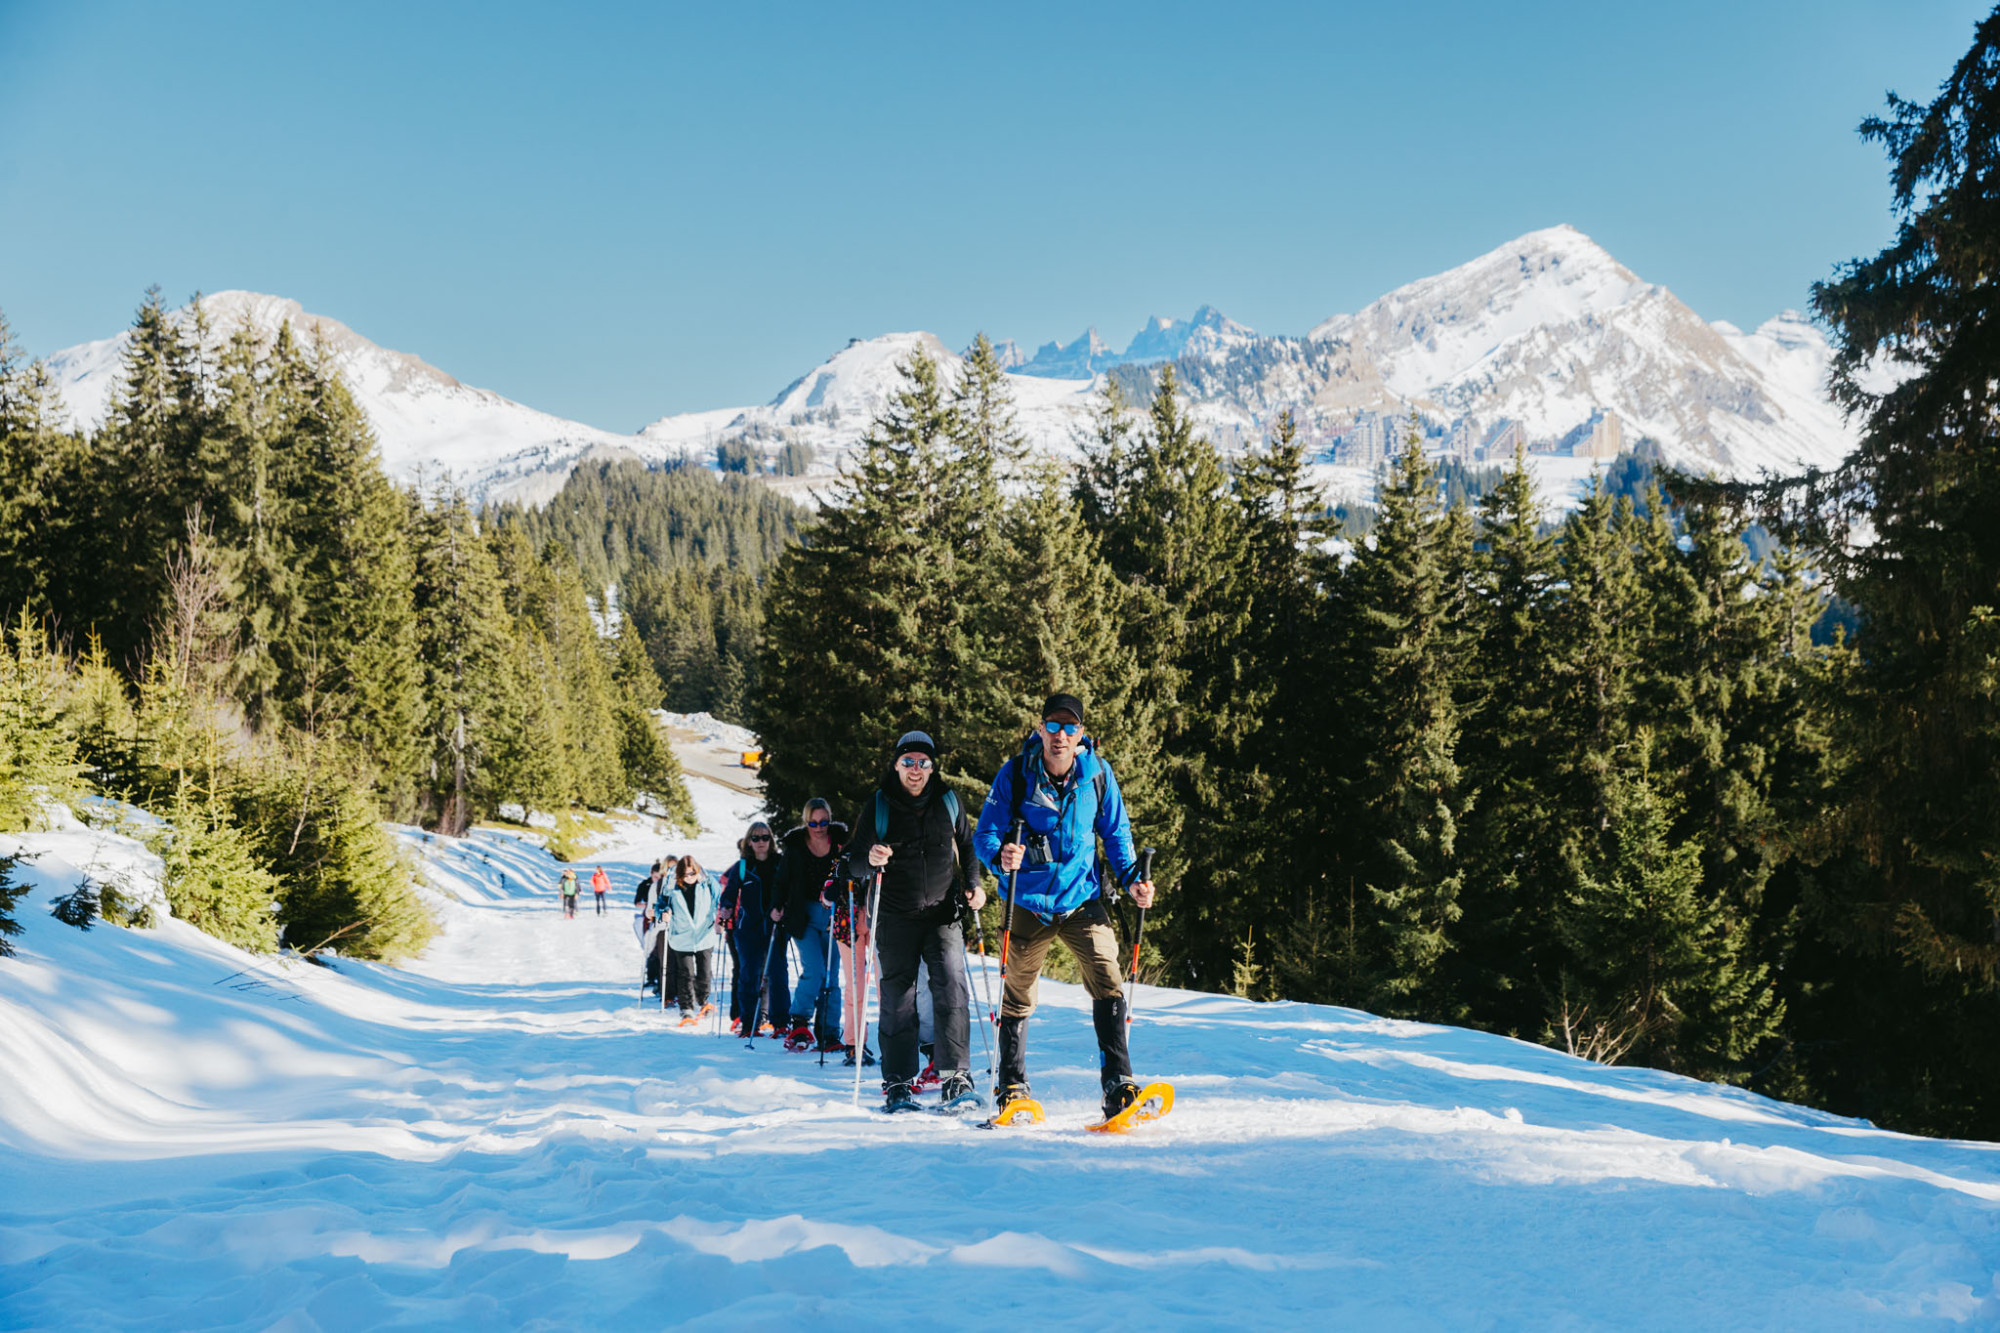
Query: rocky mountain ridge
point(1547, 340)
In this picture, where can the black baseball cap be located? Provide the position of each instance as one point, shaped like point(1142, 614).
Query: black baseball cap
point(1063, 703)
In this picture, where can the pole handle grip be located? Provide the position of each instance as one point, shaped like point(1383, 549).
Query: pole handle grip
point(1145, 865)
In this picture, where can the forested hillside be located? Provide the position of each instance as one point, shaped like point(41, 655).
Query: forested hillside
point(689, 552)
point(220, 608)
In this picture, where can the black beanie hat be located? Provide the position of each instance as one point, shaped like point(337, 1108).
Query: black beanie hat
point(1063, 703)
point(916, 742)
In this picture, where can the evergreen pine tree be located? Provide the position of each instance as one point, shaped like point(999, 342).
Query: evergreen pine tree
point(41, 478)
point(1287, 574)
point(1411, 594)
point(1908, 979)
point(146, 474)
point(38, 759)
point(211, 876)
point(1512, 867)
point(11, 893)
point(649, 762)
point(464, 643)
point(342, 883)
point(1181, 538)
point(349, 662)
point(877, 618)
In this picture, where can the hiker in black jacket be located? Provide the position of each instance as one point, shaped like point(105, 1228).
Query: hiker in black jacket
point(929, 871)
point(809, 854)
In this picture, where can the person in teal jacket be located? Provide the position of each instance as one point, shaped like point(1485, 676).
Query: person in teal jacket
point(688, 904)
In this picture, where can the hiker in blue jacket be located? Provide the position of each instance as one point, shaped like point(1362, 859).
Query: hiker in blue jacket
point(1068, 798)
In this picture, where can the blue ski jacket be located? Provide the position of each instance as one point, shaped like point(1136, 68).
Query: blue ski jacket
point(1064, 822)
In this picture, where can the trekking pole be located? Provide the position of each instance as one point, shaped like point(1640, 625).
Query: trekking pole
point(1132, 986)
point(763, 989)
point(825, 985)
point(872, 970)
point(721, 983)
point(985, 973)
point(861, 964)
point(719, 969)
point(1007, 919)
point(972, 996)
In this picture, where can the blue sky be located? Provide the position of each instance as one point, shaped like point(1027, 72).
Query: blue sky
point(642, 209)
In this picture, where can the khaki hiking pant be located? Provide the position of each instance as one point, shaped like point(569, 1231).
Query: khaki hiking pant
point(1090, 938)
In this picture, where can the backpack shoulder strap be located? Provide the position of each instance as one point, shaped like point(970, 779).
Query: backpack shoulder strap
point(951, 807)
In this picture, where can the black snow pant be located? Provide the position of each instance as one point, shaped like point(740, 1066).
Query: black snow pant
point(600, 904)
point(903, 942)
point(755, 1002)
point(693, 970)
point(661, 954)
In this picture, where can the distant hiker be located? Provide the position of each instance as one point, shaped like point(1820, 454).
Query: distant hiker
point(567, 887)
point(913, 831)
point(1066, 794)
point(750, 891)
point(805, 906)
point(600, 884)
point(690, 911)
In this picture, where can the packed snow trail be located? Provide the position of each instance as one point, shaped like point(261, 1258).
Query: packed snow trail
point(500, 1135)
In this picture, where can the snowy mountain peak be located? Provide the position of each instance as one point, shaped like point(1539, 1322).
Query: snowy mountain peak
point(426, 421)
point(1555, 275)
point(859, 377)
point(1079, 360)
point(1209, 334)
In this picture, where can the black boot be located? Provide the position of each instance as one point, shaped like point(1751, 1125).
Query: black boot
point(1114, 1062)
point(1013, 1057)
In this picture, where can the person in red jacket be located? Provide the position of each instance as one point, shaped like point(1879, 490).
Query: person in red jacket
point(600, 884)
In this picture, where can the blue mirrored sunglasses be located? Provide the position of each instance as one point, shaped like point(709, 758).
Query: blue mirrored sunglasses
point(1066, 728)
point(818, 823)
point(915, 761)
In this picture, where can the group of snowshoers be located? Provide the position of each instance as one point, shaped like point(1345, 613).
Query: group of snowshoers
point(890, 891)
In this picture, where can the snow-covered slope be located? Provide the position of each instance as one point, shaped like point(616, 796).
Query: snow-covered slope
point(501, 1135)
point(426, 422)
